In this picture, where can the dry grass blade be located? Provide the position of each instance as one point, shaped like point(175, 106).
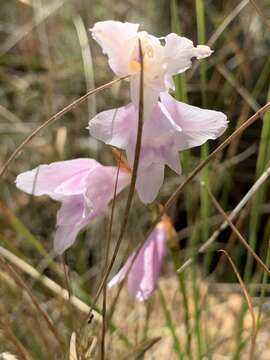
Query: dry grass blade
point(43, 314)
point(46, 282)
point(232, 215)
point(242, 91)
point(87, 62)
point(249, 302)
point(260, 13)
point(68, 288)
point(21, 351)
point(141, 349)
point(237, 233)
point(219, 31)
point(7, 356)
point(73, 347)
point(132, 182)
point(24, 30)
point(52, 119)
point(226, 22)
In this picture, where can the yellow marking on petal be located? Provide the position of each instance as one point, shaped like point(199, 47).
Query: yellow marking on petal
point(135, 65)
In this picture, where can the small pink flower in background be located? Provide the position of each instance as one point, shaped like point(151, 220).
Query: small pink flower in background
point(83, 186)
point(162, 57)
point(143, 272)
point(172, 126)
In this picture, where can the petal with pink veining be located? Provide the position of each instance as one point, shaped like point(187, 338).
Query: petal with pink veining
point(198, 125)
point(115, 126)
point(179, 51)
point(144, 271)
point(149, 182)
point(46, 179)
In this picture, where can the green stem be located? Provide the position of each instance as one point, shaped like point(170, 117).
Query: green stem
point(259, 198)
point(205, 205)
point(183, 290)
point(170, 324)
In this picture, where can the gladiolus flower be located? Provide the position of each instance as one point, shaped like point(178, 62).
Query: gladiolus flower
point(83, 186)
point(162, 57)
point(172, 126)
point(143, 272)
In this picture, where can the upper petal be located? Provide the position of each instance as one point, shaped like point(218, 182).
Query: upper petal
point(198, 125)
point(114, 126)
point(56, 179)
point(179, 51)
point(117, 40)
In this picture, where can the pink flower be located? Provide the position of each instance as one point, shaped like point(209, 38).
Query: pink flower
point(143, 273)
point(172, 126)
point(83, 186)
point(162, 57)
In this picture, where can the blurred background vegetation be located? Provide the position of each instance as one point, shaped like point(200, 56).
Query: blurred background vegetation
point(48, 59)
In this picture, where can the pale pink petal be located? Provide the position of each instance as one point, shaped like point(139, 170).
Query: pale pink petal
point(159, 132)
point(179, 51)
point(144, 271)
point(101, 186)
point(71, 211)
point(198, 125)
point(65, 237)
point(114, 127)
point(203, 51)
point(119, 277)
point(74, 213)
point(146, 268)
point(70, 221)
point(84, 187)
point(171, 156)
point(151, 91)
point(149, 182)
point(46, 179)
point(117, 41)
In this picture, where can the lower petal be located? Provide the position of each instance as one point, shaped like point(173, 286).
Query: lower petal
point(65, 237)
point(149, 182)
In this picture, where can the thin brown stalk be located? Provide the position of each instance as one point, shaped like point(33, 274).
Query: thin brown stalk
point(237, 233)
point(22, 284)
point(21, 351)
point(52, 119)
point(132, 184)
point(260, 13)
point(242, 91)
point(139, 351)
point(108, 245)
point(46, 282)
point(249, 302)
point(231, 216)
point(67, 285)
point(231, 242)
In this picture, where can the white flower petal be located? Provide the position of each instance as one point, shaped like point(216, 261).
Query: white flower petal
point(179, 51)
point(117, 40)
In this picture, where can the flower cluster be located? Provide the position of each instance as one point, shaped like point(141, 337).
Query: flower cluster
point(84, 187)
